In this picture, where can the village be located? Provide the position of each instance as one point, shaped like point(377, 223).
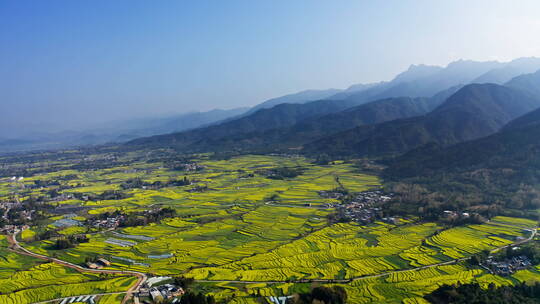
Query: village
point(363, 207)
point(506, 267)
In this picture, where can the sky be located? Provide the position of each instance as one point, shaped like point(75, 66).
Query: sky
point(69, 64)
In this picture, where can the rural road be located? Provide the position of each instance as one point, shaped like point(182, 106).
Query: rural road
point(141, 277)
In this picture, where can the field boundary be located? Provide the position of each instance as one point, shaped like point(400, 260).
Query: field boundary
point(141, 277)
point(16, 247)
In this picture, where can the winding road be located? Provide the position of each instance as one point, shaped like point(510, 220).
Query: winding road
point(141, 277)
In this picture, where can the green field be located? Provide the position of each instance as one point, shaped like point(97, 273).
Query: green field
point(26, 280)
point(247, 236)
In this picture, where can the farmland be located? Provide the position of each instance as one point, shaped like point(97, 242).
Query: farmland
point(25, 279)
point(246, 227)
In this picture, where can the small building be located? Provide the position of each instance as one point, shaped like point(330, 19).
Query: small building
point(103, 262)
point(93, 265)
point(156, 295)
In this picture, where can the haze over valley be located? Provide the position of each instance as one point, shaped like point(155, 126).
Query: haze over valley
point(304, 152)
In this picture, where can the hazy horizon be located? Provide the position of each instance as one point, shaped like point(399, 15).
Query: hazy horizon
point(69, 64)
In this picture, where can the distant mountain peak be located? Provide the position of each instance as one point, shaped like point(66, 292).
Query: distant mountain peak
point(416, 71)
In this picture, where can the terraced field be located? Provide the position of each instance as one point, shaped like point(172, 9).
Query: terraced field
point(246, 235)
point(27, 280)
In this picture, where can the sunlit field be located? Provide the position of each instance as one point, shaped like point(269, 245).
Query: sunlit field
point(27, 280)
point(246, 235)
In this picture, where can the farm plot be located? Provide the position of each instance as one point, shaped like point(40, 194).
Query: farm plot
point(334, 252)
point(26, 280)
point(403, 287)
point(233, 222)
point(345, 251)
point(464, 241)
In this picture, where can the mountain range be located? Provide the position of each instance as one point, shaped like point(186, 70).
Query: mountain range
point(422, 104)
point(115, 132)
point(514, 147)
point(475, 111)
point(349, 124)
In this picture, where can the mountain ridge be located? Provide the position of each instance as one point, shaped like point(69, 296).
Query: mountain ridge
point(474, 111)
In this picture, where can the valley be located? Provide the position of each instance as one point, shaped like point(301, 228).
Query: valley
point(245, 228)
point(269, 152)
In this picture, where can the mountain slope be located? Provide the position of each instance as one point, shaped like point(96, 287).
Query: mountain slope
point(474, 111)
point(287, 125)
point(510, 70)
point(505, 149)
point(417, 81)
point(424, 81)
point(176, 123)
point(280, 116)
point(498, 174)
point(527, 82)
point(528, 119)
point(317, 126)
point(494, 175)
point(300, 97)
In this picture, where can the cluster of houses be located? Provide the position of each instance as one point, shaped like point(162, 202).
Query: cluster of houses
point(372, 197)
point(108, 223)
point(330, 194)
point(198, 188)
point(10, 229)
point(359, 212)
point(364, 206)
point(8, 205)
point(367, 197)
point(160, 293)
point(454, 214)
point(98, 264)
point(508, 266)
point(189, 167)
point(9, 226)
point(62, 197)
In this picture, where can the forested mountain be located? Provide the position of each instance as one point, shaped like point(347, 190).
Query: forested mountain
point(280, 116)
point(516, 146)
point(317, 126)
point(531, 118)
point(295, 118)
point(470, 113)
point(474, 111)
point(289, 125)
point(497, 172)
point(527, 82)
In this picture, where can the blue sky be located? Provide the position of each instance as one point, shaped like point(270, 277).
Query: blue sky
point(75, 62)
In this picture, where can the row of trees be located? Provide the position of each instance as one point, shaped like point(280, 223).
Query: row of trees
point(322, 295)
point(429, 200)
point(69, 242)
